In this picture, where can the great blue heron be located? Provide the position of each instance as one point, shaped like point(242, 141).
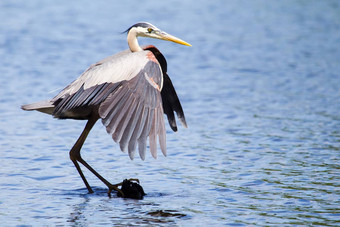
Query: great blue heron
point(129, 91)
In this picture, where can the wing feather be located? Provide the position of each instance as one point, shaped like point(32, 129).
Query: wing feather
point(137, 132)
point(98, 90)
point(131, 113)
point(120, 111)
point(153, 136)
point(75, 105)
point(161, 132)
point(108, 108)
point(170, 99)
point(112, 70)
point(145, 132)
point(130, 127)
point(124, 123)
point(171, 103)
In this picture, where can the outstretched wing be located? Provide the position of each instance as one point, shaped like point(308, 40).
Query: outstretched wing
point(170, 99)
point(130, 92)
point(96, 83)
point(125, 89)
point(134, 112)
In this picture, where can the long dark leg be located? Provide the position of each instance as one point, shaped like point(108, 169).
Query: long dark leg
point(82, 176)
point(75, 151)
point(76, 157)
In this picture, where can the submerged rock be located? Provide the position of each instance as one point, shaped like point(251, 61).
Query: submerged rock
point(131, 190)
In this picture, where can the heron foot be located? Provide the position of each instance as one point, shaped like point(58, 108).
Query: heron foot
point(114, 187)
point(130, 188)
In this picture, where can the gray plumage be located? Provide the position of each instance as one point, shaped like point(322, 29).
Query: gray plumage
point(125, 100)
point(130, 92)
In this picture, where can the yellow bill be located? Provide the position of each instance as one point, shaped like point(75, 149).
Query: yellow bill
point(174, 39)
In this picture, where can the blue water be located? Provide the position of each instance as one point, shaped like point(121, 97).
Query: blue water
point(260, 88)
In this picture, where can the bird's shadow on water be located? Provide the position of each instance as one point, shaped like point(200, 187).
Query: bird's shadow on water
point(121, 211)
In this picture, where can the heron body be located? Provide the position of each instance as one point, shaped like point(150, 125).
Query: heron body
point(129, 91)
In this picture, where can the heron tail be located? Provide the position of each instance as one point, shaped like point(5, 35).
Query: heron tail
point(45, 106)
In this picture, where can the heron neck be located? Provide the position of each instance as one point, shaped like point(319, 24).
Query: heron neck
point(132, 41)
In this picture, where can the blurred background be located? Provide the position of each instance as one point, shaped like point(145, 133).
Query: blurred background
point(260, 88)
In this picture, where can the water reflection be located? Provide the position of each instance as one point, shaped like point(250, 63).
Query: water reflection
point(135, 212)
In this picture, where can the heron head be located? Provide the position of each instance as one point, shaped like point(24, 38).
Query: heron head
point(144, 29)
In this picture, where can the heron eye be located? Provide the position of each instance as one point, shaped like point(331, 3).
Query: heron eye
point(150, 30)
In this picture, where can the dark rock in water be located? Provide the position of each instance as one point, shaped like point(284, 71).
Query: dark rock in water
point(131, 190)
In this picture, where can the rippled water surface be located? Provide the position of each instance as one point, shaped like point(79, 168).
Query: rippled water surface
point(260, 88)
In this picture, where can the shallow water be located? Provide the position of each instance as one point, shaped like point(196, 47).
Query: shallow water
point(260, 89)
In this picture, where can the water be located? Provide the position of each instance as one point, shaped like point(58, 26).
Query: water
point(260, 88)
